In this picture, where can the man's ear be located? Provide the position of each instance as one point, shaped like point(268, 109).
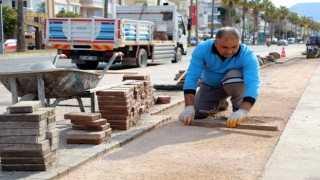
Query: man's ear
point(215, 41)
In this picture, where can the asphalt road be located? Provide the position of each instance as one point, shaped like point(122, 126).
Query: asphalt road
point(21, 63)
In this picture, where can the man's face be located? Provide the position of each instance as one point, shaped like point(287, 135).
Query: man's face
point(228, 45)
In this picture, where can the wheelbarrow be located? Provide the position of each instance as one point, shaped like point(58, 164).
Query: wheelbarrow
point(45, 81)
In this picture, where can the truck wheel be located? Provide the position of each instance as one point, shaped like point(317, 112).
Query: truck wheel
point(178, 56)
point(142, 58)
point(88, 65)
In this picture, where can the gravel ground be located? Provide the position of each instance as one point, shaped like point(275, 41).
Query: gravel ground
point(175, 151)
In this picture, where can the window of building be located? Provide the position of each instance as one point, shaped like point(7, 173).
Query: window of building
point(13, 4)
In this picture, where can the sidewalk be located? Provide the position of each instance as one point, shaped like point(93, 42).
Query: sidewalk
point(297, 154)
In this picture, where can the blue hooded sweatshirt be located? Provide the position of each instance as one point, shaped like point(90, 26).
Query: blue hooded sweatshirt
point(207, 63)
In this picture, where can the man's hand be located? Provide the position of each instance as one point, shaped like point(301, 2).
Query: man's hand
point(187, 115)
point(237, 117)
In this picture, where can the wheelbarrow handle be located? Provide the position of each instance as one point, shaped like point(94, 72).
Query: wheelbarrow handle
point(55, 60)
point(114, 56)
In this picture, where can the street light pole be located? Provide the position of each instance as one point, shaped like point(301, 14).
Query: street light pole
point(197, 22)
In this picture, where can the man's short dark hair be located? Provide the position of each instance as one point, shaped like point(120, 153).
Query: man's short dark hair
point(223, 30)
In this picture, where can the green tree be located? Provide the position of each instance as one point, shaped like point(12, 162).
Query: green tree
point(41, 7)
point(9, 17)
point(67, 14)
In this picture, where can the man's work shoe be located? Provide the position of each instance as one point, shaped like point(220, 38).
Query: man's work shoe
point(224, 106)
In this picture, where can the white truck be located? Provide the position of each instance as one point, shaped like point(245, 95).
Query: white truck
point(88, 41)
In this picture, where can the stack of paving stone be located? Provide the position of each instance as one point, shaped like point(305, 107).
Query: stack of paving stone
point(88, 128)
point(123, 105)
point(28, 137)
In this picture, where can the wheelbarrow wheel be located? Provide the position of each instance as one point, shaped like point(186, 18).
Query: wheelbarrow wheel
point(88, 65)
point(29, 97)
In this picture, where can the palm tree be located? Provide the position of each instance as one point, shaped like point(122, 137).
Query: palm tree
point(272, 13)
point(231, 5)
point(293, 18)
point(257, 7)
point(283, 13)
point(245, 9)
point(267, 4)
point(21, 45)
point(306, 22)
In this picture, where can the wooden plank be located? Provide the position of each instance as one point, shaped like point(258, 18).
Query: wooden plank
point(213, 123)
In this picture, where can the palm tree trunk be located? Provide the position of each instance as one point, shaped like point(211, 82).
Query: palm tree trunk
point(230, 17)
point(243, 26)
point(21, 45)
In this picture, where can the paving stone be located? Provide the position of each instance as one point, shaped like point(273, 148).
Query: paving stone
point(51, 126)
point(50, 110)
point(52, 133)
point(86, 141)
point(22, 139)
point(91, 128)
point(24, 107)
point(78, 134)
point(28, 160)
point(54, 146)
point(51, 119)
point(37, 146)
point(26, 167)
point(82, 116)
point(26, 117)
point(53, 140)
point(25, 153)
point(97, 122)
point(22, 125)
point(23, 132)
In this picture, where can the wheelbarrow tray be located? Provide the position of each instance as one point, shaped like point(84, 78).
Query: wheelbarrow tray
point(58, 82)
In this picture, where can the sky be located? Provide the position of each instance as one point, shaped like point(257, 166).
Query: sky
point(289, 3)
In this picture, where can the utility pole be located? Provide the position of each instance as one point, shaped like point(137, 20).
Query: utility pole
point(190, 20)
point(212, 19)
point(1, 31)
point(197, 39)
